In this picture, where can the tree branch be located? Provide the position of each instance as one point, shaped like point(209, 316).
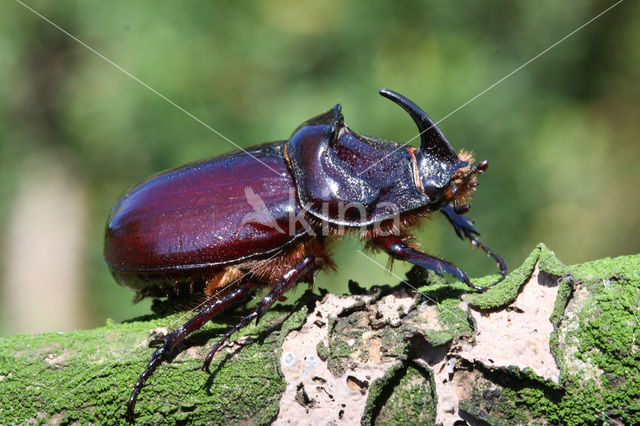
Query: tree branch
point(550, 344)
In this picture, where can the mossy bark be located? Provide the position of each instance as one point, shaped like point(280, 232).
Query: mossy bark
point(86, 376)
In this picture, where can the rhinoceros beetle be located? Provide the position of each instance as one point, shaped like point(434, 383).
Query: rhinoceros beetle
point(265, 217)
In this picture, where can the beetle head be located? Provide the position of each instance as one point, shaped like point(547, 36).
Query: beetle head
point(441, 174)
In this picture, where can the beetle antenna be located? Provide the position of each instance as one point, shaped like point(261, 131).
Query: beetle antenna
point(477, 170)
point(481, 167)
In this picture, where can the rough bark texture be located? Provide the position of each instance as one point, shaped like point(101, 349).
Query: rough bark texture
point(551, 344)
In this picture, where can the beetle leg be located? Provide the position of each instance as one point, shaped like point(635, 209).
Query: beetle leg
point(213, 307)
point(461, 224)
point(291, 277)
point(398, 249)
point(464, 228)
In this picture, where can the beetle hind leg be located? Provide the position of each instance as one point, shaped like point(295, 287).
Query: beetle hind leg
point(213, 307)
point(291, 277)
point(163, 353)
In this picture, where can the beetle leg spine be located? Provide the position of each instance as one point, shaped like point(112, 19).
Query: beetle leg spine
point(214, 307)
point(290, 278)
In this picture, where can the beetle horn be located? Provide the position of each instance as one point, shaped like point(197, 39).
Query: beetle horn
point(432, 141)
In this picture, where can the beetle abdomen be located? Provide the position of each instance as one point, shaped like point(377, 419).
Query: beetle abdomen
point(206, 214)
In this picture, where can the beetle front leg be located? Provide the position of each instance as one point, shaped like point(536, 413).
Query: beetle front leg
point(398, 249)
point(464, 228)
point(461, 224)
point(213, 307)
point(291, 277)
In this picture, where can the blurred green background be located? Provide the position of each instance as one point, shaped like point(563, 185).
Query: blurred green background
point(561, 134)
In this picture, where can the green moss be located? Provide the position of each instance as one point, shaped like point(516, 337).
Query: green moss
point(624, 267)
point(604, 335)
point(606, 338)
point(404, 395)
point(565, 290)
point(505, 292)
point(323, 351)
point(453, 322)
point(345, 338)
point(411, 400)
point(599, 355)
point(492, 404)
point(510, 396)
point(539, 407)
point(549, 263)
point(86, 376)
point(378, 391)
point(452, 317)
point(439, 324)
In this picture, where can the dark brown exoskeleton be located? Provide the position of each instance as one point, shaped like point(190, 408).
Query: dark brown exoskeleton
point(265, 217)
